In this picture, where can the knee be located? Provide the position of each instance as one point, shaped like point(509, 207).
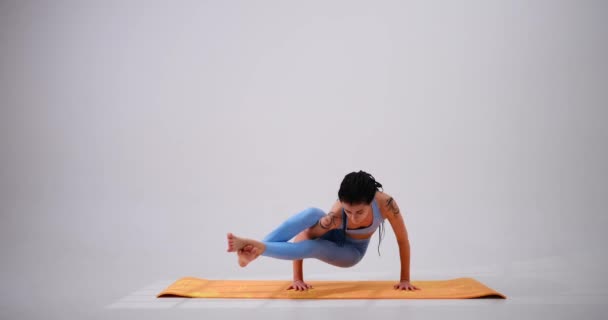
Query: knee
point(309, 216)
point(314, 213)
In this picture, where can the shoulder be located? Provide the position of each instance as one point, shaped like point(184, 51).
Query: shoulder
point(382, 199)
point(387, 204)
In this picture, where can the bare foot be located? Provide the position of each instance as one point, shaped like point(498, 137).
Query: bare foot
point(246, 249)
point(234, 243)
point(247, 254)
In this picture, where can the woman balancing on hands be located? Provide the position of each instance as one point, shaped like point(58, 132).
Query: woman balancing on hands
point(339, 237)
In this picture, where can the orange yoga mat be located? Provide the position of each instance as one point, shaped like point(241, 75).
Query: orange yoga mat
point(460, 288)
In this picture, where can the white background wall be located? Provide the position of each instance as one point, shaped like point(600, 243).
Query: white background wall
point(135, 134)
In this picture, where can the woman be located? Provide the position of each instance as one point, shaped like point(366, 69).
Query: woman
point(339, 237)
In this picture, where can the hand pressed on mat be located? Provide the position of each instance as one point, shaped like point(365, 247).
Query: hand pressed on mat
point(299, 285)
point(405, 285)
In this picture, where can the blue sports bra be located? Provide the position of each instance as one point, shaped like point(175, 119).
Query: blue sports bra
point(377, 219)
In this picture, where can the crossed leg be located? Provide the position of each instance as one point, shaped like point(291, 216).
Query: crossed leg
point(276, 243)
point(247, 249)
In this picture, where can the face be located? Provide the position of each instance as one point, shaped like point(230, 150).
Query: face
point(356, 213)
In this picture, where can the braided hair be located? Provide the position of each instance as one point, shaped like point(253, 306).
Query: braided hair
point(359, 187)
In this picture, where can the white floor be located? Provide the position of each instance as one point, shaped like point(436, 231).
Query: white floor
point(63, 283)
point(93, 287)
point(59, 282)
point(542, 303)
point(530, 295)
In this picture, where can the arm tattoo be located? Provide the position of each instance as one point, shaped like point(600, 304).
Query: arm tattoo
point(328, 222)
point(392, 205)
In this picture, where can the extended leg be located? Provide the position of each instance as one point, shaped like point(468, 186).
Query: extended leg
point(285, 232)
point(324, 250)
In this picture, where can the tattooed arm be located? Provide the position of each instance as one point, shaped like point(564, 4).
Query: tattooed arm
point(394, 216)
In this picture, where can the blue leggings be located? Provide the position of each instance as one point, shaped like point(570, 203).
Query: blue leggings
point(324, 248)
